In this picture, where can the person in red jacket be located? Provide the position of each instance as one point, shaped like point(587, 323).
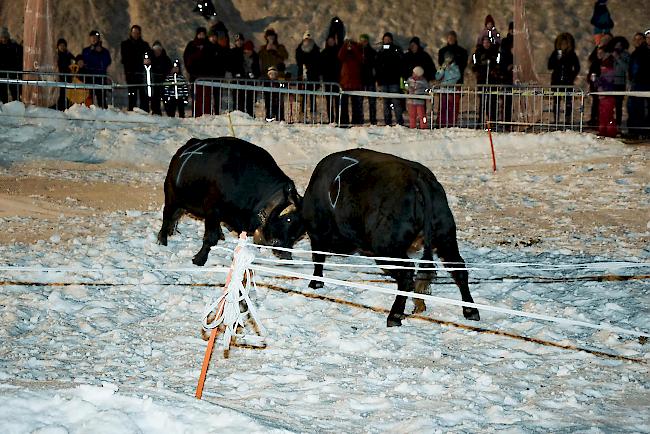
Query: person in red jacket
point(351, 59)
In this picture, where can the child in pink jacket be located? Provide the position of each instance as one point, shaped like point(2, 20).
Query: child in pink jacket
point(417, 85)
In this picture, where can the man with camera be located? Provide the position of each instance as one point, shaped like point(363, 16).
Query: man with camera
point(388, 67)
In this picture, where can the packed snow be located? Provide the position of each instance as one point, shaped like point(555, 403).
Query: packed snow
point(101, 325)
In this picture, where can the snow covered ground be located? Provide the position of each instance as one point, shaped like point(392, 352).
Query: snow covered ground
point(113, 343)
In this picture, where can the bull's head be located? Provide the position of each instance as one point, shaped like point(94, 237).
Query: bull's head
point(283, 227)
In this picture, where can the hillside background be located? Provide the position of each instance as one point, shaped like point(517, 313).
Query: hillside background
point(173, 22)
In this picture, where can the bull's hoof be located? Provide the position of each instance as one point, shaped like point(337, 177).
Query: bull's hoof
point(393, 321)
point(200, 259)
point(420, 306)
point(162, 239)
point(471, 313)
point(316, 284)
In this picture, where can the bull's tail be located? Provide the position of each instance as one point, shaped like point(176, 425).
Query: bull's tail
point(423, 278)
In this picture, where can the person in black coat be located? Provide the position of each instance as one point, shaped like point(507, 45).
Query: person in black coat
point(133, 50)
point(219, 61)
point(460, 54)
point(368, 58)
point(416, 56)
point(486, 68)
point(308, 62)
point(592, 78)
point(388, 69)
point(506, 76)
point(639, 70)
point(247, 67)
point(161, 65)
point(64, 59)
point(11, 59)
point(565, 65)
point(331, 72)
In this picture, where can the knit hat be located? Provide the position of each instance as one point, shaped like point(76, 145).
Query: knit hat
point(415, 40)
point(272, 68)
point(156, 44)
point(201, 30)
point(364, 36)
point(489, 19)
point(61, 41)
point(248, 45)
point(239, 36)
point(94, 33)
point(4, 33)
point(418, 71)
point(389, 34)
point(306, 35)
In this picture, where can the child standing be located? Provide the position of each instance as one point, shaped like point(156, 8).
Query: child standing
point(175, 91)
point(417, 85)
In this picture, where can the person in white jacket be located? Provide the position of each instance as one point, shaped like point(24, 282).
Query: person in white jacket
point(449, 75)
point(417, 85)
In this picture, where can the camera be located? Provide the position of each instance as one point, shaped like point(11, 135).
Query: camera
point(386, 46)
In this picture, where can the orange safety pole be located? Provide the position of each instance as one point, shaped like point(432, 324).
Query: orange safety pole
point(213, 333)
point(494, 160)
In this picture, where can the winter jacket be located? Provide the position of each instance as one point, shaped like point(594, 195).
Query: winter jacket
point(11, 57)
point(63, 61)
point(175, 88)
point(640, 66)
point(621, 64)
point(484, 63)
point(308, 63)
point(460, 58)
point(218, 60)
point(97, 62)
point(133, 51)
point(493, 34)
point(351, 65)
point(606, 81)
point(243, 66)
point(565, 67)
point(195, 58)
point(330, 65)
point(448, 75)
point(275, 57)
point(601, 19)
point(368, 58)
point(419, 58)
point(417, 86)
point(388, 65)
point(506, 64)
point(160, 67)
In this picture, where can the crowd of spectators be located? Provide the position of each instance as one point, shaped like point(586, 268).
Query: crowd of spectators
point(356, 64)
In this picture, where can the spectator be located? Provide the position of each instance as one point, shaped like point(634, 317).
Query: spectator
point(489, 31)
point(195, 57)
point(250, 70)
point(459, 53)
point(11, 59)
point(237, 56)
point(351, 59)
point(133, 50)
point(449, 75)
point(638, 109)
point(273, 53)
point(416, 56)
point(331, 73)
point(239, 41)
point(592, 78)
point(417, 85)
point(601, 20)
point(619, 47)
point(606, 82)
point(161, 66)
point(506, 74)
point(486, 69)
point(368, 56)
point(63, 62)
point(97, 59)
point(337, 31)
point(565, 65)
point(176, 92)
point(274, 101)
point(388, 69)
point(308, 62)
point(219, 62)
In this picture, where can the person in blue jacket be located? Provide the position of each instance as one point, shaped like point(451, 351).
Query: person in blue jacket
point(97, 59)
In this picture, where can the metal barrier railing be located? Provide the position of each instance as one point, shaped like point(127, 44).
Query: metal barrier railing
point(290, 101)
point(73, 88)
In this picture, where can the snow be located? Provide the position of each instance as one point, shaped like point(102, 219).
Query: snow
point(112, 343)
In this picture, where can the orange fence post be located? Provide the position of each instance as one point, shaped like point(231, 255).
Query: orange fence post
point(494, 160)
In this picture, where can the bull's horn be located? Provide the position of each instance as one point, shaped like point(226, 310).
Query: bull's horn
point(258, 237)
point(288, 209)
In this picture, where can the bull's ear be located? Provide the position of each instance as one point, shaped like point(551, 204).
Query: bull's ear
point(294, 197)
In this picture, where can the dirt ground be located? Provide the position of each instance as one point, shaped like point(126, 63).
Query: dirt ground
point(602, 205)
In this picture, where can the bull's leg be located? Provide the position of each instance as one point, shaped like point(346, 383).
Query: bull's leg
point(211, 237)
point(171, 214)
point(422, 281)
point(452, 259)
point(405, 283)
point(319, 259)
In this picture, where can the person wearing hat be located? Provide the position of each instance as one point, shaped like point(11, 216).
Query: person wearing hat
point(11, 59)
point(219, 63)
point(161, 66)
point(460, 54)
point(97, 59)
point(601, 19)
point(274, 101)
point(246, 67)
point(64, 60)
point(308, 63)
point(368, 56)
point(351, 59)
point(272, 53)
point(417, 56)
point(448, 74)
point(417, 85)
point(133, 51)
point(638, 121)
point(388, 68)
point(489, 31)
point(195, 57)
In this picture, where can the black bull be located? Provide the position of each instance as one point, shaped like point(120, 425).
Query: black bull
point(381, 205)
point(224, 180)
